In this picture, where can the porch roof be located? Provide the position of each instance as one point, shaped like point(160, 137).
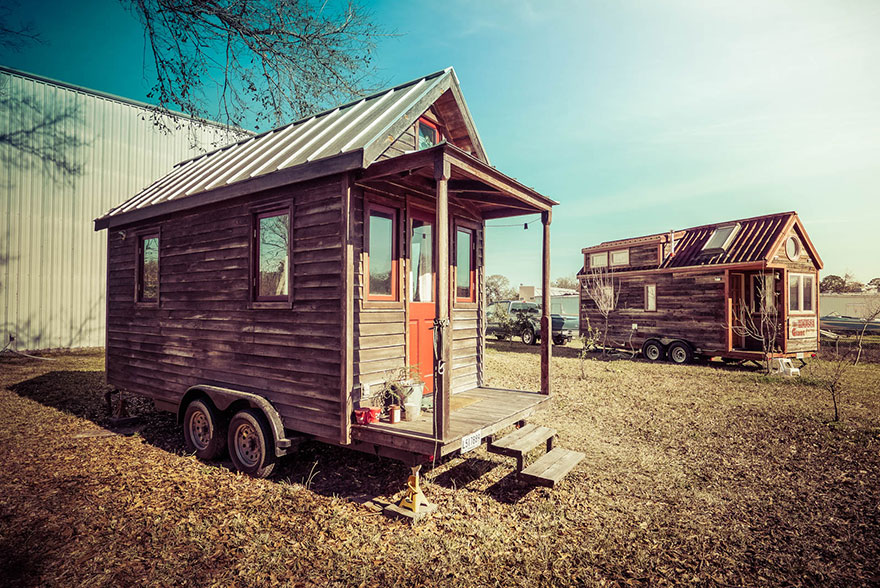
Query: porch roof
point(475, 185)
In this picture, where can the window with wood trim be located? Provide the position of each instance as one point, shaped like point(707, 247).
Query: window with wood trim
point(381, 259)
point(427, 134)
point(763, 293)
point(620, 257)
point(465, 287)
point(651, 297)
point(801, 293)
point(599, 259)
point(272, 256)
point(148, 268)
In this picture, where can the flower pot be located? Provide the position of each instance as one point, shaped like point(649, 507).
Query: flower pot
point(412, 404)
point(374, 414)
point(362, 415)
point(394, 414)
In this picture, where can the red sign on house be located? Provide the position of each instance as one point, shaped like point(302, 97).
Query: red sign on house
point(802, 327)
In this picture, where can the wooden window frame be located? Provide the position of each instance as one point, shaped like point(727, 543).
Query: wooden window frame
point(647, 286)
point(256, 213)
point(800, 298)
point(380, 299)
point(611, 257)
point(602, 253)
point(753, 307)
point(424, 121)
point(140, 237)
point(465, 227)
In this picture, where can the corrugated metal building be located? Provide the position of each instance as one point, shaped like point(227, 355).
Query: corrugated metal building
point(52, 263)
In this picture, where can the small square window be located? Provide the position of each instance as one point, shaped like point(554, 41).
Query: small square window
point(599, 259)
point(272, 253)
point(148, 268)
point(427, 135)
point(620, 257)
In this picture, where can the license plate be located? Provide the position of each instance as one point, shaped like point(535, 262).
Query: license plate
point(471, 442)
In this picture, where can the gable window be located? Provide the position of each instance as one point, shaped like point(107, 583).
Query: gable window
point(651, 297)
point(801, 293)
point(620, 257)
point(464, 265)
point(148, 268)
point(793, 248)
point(599, 259)
point(427, 134)
point(381, 262)
point(721, 239)
point(272, 256)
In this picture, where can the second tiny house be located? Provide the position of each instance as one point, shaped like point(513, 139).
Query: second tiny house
point(743, 289)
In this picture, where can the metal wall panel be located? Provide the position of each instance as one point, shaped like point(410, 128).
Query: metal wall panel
point(52, 262)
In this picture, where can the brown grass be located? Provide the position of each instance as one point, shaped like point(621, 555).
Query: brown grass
point(695, 474)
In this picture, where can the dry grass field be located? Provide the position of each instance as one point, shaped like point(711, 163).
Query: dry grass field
point(697, 474)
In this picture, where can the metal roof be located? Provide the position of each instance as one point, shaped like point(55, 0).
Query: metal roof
point(367, 125)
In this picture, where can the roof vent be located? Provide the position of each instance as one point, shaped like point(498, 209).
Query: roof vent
point(720, 239)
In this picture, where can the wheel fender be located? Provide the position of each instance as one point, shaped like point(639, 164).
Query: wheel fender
point(223, 399)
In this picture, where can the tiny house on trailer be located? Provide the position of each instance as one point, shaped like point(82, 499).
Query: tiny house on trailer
point(266, 287)
point(703, 291)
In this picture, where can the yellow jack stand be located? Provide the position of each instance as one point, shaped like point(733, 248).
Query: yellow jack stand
point(413, 506)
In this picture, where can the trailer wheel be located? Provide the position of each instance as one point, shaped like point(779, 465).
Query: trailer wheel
point(204, 430)
point(652, 350)
point(528, 336)
point(680, 353)
point(251, 443)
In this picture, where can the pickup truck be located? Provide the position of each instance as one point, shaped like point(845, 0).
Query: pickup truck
point(514, 317)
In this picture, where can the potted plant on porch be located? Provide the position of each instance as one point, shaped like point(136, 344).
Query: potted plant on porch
point(402, 387)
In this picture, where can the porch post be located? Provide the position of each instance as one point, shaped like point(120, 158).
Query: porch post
point(443, 383)
point(546, 326)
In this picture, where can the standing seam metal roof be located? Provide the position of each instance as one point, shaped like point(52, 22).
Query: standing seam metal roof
point(361, 124)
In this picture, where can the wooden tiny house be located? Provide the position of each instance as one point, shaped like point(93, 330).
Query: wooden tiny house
point(288, 273)
point(705, 291)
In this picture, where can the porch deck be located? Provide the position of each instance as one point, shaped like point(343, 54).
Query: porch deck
point(480, 409)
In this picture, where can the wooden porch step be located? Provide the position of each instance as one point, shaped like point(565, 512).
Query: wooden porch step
point(518, 443)
point(552, 467)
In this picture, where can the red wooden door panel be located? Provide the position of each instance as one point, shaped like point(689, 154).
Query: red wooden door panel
point(420, 297)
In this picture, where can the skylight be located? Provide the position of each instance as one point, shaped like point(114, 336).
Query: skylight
point(721, 239)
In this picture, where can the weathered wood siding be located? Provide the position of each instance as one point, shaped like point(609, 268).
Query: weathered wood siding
point(204, 330)
point(690, 306)
point(805, 264)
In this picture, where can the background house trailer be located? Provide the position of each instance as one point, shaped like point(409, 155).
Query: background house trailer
point(52, 267)
point(269, 285)
point(704, 290)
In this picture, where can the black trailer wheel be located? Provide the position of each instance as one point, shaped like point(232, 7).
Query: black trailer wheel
point(652, 350)
point(680, 353)
point(204, 430)
point(561, 340)
point(251, 444)
point(528, 336)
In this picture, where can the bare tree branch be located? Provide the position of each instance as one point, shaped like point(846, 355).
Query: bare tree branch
point(599, 286)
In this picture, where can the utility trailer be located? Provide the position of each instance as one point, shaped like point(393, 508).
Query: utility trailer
point(739, 290)
point(262, 290)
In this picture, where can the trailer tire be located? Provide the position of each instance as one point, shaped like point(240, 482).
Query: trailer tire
point(680, 353)
point(528, 336)
point(204, 429)
point(251, 443)
point(652, 350)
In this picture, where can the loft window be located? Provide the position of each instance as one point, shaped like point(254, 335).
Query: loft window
point(721, 239)
point(148, 268)
point(464, 265)
point(651, 297)
point(381, 263)
point(801, 293)
point(272, 252)
point(427, 134)
point(599, 259)
point(793, 248)
point(620, 257)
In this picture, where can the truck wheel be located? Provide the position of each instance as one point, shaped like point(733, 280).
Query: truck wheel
point(560, 340)
point(251, 444)
point(680, 353)
point(652, 350)
point(528, 336)
point(204, 430)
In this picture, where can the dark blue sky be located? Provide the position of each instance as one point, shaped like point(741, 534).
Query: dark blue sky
point(638, 117)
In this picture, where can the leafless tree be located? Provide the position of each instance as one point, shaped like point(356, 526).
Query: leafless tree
point(870, 315)
point(599, 286)
point(275, 60)
point(762, 322)
point(37, 133)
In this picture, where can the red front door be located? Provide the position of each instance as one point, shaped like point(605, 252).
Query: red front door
point(421, 292)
